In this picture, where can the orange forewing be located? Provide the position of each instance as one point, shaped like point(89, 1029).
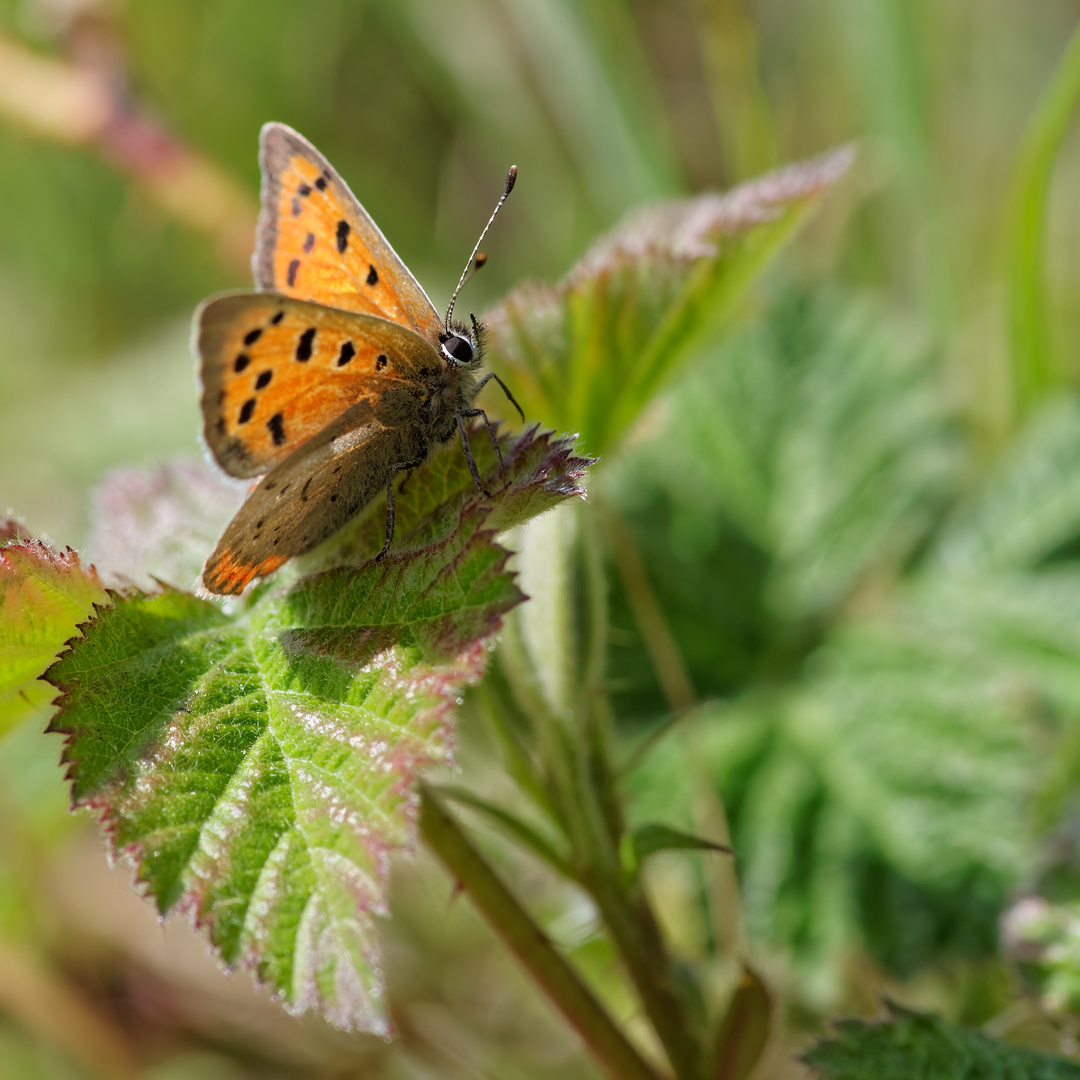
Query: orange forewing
point(276, 372)
point(316, 242)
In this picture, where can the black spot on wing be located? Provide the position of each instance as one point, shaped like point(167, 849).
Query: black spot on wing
point(381, 362)
point(291, 276)
point(276, 426)
point(348, 351)
point(296, 208)
point(342, 236)
point(241, 362)
point(252, 336)
point(246, 410)
point(277, 318)
point(304, 189)
point(303, 346)
point(321, 182)
point(263, 380)
point(309, 241)
point(372, 277)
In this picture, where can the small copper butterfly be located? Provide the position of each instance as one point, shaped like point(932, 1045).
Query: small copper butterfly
point(334, 376)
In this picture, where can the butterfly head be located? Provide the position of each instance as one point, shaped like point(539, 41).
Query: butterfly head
point(462, 346)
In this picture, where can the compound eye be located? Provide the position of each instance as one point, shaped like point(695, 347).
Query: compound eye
point(459, 349)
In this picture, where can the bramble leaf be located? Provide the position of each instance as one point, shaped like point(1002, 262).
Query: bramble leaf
point(44, 593)
point(589, 353)
point(910, 1044)
point(259, 766)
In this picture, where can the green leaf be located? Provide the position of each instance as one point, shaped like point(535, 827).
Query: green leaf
point(654, 837)
point(260, 766)
point(511, 825)
point(910, 1044)
point(588, 354)
point(800, 465)
point(821, 436)
point(911, 725)
point(744, 1031)
point(44, 594)
point(1028, 509)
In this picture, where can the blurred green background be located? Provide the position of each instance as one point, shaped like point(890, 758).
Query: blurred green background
point(860, 515)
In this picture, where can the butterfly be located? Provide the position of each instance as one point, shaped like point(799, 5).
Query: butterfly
point(335, 375)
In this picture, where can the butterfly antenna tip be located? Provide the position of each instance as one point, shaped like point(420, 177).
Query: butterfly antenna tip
point(474, 262)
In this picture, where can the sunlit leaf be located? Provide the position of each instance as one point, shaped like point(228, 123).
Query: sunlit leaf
point(44, 594)
point(259, 767)
point(589, 353)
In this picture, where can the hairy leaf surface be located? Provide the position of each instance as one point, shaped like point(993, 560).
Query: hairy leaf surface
point(259, 766)
point(589, 353)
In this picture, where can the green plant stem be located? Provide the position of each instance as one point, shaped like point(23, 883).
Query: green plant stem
point(529, 943)
point(634, 929)
point(595, 827)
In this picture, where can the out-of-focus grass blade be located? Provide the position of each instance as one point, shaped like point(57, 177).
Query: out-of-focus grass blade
point(886, 49)
point(1035, 371)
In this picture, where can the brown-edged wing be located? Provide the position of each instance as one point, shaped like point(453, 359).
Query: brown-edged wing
point(316, 242)
point(310, 496)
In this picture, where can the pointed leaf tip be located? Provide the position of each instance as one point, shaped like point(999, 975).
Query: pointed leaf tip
point(44, 594)
point(589, 353)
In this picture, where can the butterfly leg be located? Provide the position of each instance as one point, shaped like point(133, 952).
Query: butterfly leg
point(505, 389)
point(390, 500)
point(491, 432)
point(468, 449)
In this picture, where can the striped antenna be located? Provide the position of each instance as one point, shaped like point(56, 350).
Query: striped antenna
point(471, 266)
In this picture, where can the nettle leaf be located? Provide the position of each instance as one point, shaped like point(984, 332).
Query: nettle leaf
point(259, 766)
point(44, 594)
point(820, 436)
point(1028, 511)
point(589, 353)
point(910, 1044)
